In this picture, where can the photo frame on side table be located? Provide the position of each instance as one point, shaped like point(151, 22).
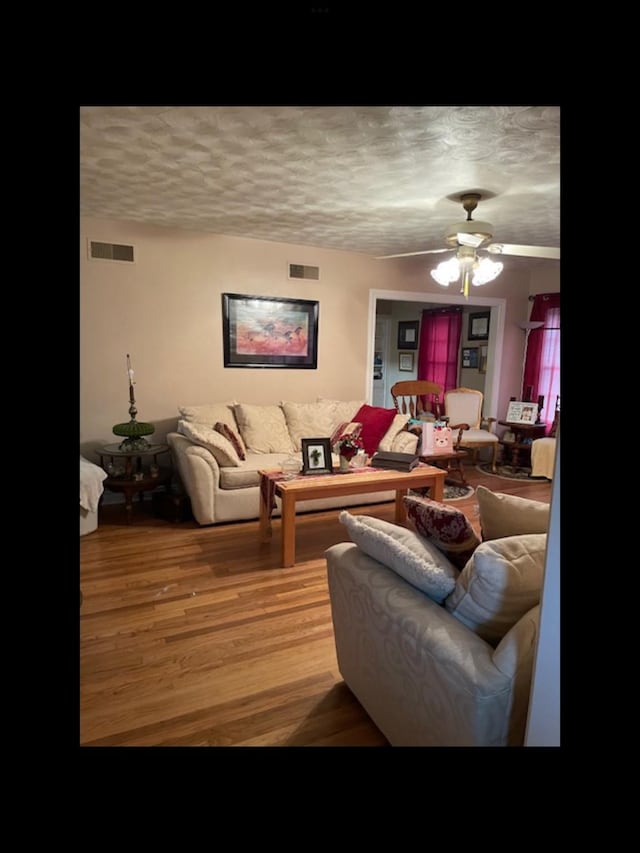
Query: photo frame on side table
point(269, 331)
point(520, 412)
point(408, 334)
point(316, 456)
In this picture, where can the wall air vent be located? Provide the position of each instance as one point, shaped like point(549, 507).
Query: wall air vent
point(302, 271)
point(110, 252)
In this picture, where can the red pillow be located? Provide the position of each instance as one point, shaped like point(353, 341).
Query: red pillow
point(375, 422)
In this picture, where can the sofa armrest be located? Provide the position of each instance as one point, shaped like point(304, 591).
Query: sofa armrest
point(424, 678)
point(200, 475)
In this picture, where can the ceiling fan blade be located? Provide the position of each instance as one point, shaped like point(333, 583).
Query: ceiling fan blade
point(524, 251)
point(410, 254)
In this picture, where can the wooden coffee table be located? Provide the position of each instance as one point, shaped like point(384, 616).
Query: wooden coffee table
point(306, 488)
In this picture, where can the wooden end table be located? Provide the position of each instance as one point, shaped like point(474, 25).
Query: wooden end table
point(453, 462)
point(524, 434)
point(360, 482)
point(135, 479)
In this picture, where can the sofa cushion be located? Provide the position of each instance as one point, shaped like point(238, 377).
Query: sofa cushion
point(508, 515)
point(397, 425)
point(375, 422)
point(445, 527)
point(340, 411)
point(306, 420)
point(221, 448)
point(413, 558)
point(499, 584)
point(263, 428)
point(209, 414)
point(231, 435)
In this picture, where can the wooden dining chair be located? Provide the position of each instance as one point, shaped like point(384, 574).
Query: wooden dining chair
point(417, 397)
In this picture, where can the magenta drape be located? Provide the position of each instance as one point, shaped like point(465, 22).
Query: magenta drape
point(440, 332)
point(542, 365)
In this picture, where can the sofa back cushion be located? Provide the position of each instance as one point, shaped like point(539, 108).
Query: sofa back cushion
point(509, 515)
point(499, 584)
point(263, 428)
point(339, 411)
point(307, 420)
point(444, 526)
point(403, 551)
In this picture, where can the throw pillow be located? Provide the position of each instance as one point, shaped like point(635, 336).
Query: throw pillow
point(232, 436)
point(351, 428)
point(447, 528)
point(375, 422)
point(508, 515)
point(402, 550)
point(219, 446)
point(499, 585)
point(263, 428)
point(398, 424)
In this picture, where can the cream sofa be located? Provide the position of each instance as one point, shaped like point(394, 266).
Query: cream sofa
point(225, 487)
point(445, 661)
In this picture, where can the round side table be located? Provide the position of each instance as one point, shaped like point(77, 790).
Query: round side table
point(135, 479)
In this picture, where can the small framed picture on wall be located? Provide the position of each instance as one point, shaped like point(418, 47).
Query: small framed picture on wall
point(405, 361)
point(469, 356)
point(408, 334)
point(479, 326)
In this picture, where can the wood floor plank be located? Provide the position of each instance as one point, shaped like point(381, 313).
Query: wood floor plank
point(195, 635)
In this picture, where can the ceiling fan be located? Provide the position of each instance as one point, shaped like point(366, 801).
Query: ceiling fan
point(465, 238)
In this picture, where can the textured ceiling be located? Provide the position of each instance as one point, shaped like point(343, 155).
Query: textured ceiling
point(364, 179)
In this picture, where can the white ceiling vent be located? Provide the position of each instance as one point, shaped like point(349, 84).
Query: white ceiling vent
point(302, 271)
point(110, 252)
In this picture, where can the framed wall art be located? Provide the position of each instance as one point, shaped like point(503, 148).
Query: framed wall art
point(479, 326)
point(269, 331)
point(405, 361)
point(316, 456)
point(469, 356)
point(408, 334)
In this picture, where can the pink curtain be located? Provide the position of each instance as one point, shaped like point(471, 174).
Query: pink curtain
point(542, 365)
point(439, 346)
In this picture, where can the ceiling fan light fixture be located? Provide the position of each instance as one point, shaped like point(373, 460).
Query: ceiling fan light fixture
point(486, 270)
point(446, 272)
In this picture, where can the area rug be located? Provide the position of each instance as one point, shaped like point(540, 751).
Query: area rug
point(505, 471)
point(451, 493)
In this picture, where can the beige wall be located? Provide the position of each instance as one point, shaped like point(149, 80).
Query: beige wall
point(166, 311)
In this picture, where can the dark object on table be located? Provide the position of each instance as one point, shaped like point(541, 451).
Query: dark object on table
point(395, 461)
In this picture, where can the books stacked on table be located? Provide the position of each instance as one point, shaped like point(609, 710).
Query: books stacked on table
point(395, 461)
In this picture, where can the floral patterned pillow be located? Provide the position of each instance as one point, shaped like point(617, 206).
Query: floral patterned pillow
point(447, 528)
point(232, 436)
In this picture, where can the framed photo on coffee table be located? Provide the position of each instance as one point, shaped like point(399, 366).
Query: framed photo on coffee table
point(316, 456)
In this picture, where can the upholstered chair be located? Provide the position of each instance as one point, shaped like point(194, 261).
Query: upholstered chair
point(463, 406)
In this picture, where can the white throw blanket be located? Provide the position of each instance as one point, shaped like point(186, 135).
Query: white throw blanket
point(91, 477)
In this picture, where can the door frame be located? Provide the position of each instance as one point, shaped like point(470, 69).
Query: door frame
point(498, 308)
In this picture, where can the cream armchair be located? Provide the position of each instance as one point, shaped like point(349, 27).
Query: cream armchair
point(463, 407)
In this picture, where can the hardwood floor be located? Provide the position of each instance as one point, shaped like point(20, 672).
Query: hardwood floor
point(192, 636)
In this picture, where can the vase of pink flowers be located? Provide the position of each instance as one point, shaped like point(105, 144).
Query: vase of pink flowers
point(346, 447)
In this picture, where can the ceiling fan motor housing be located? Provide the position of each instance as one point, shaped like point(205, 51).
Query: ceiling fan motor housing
point(483, 231)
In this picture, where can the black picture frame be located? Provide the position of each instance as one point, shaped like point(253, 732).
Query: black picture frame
point(269, 331)
point(316, 456)
point(470, 357)
point(479, 326)
point(408, 334)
